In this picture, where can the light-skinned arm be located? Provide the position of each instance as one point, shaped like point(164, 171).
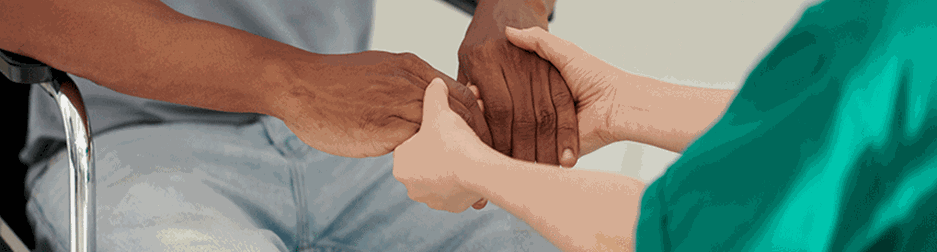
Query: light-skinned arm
point(445, 166)
point(616, 105)
point(448, 168)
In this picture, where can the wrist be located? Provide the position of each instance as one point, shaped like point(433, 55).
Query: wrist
point(483, 162)
point(514, 13)
point(665, 115)
point(636, 109)
point(286, 90)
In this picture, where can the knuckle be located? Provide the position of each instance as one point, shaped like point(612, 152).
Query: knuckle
point(562, 99)
point(506, 48)
point(485, 48)
point(525, 124)
point(407, 55)
point(378, 119)
point(567, 129)
point(547, 122)
point(397, 79)
point(410, 58)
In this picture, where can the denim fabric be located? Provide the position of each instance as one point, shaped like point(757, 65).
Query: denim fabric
point(254, 187)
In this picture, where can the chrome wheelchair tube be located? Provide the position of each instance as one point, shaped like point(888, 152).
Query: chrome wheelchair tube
point(80, 160)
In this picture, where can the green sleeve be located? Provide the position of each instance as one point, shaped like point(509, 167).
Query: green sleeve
point(830, 145)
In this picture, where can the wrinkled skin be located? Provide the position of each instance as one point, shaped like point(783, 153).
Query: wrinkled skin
point(529, 109)
point(366, 104)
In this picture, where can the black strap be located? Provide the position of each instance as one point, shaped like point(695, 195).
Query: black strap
point(22, 69)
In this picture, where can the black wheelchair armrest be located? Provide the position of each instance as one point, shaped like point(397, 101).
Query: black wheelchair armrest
point(22, 69)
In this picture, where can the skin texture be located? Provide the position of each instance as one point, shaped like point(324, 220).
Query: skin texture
point(615, 105)
point(445, 166)
point(145, 49)
point(445, 193)
point(529, 109)
point(367, 104)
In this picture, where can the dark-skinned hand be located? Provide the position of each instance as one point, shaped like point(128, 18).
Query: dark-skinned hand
point(529, 109)
point(366, 104)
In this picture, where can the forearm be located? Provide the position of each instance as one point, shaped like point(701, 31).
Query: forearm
point(146, 49)
point(662, 114)
point(576, 209)
point(515, 13)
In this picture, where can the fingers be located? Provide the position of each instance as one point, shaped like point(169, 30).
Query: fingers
point(474, 89)
point(524, 127)
point(545, 112)
point(435, 100)
point(458, 91)
point(476, 120)
point(462, 76)
point(480, 204)
point(473, 116)
point(455, 203)
point(558, 51)
point(465, 104)
point(499, 110)
point(413, 65)
point(567, 123)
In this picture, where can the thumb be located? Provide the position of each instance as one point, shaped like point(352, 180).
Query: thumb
point(435, 100)
point(550, 47)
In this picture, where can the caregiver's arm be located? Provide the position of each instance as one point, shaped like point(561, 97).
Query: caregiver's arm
point(445, 166)
point(355, 105)
point(615, 105)
point(576, 210)
point(662, 114)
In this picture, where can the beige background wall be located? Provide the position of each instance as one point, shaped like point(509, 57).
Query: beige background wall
point(700, 43)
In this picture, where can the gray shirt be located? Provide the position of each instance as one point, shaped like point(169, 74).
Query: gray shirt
point(327, 27)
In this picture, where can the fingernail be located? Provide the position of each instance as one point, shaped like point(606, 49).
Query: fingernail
point(568, 154)
point(512, 29)
point(438, 82)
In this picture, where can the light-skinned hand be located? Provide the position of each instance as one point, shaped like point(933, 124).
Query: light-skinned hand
point(590, 81)
point(428, 163)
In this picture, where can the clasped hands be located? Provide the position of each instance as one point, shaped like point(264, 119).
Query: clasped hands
point(366, 104)
point(437, 165)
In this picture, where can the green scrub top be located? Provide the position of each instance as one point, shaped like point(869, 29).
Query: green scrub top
point(830, 145)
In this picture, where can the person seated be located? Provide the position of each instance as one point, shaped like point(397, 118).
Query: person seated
point(830, 145)
point(268, 125)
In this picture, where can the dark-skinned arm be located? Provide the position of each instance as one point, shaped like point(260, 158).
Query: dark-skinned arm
point(146, 49)
point(354, 105)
